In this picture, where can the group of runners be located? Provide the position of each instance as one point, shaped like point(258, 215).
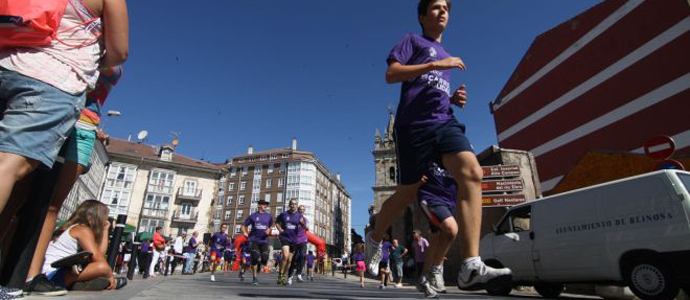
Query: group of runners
point(254, 251)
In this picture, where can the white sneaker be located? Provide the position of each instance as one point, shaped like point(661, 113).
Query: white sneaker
point(299, 278)
point(424, 287)
point(399, 285)
point(476, 276)
point(436, 282)
point(289, 281)
point(213, 278)
point(372, 254)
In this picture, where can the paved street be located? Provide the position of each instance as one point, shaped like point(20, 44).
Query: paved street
point(228, 286)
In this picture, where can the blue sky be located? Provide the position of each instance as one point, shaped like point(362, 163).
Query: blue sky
point(227, 74)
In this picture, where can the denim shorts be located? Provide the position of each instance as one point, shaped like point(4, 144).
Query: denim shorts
point(418, 145)
point(36, 117)
point(79, 146)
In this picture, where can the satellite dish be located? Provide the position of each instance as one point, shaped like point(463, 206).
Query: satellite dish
point(142, 134)
point(175, 142)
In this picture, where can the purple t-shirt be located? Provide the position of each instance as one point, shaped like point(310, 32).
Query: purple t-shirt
point(386, 248)
point(219, 240)
point(302, 232)
point(420, 246)
point(290, 222)
point(440, 187)
point(358, 256)
point(145, 247)
point(310, 259)
point(425, 99)
point(191, 248)
point(260, 222)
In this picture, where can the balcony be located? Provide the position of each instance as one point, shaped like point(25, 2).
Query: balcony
point(190, 218)
point(155, 213)
point(188, 194)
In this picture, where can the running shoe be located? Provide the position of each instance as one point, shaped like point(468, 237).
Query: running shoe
point(12, 291)
point(477, 275)
point(280, 279)
point(40, 285)
point(289, 280)
point(399, 285)
point(372, 254)
point(255, 281)
point(213, 278)
point(424, 287)
point(299, 278)
point(5, 296)
point(436, 282)
point(382, 287)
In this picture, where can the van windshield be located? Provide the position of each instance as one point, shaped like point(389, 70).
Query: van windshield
point(685, 179)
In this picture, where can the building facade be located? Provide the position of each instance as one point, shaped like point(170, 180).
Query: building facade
point(610, 79)
point(88, 185)
point(385, 165)
point(277, 176)
point(154, 187)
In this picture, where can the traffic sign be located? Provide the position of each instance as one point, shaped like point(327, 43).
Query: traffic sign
point(670, 164)
point(501, 171)
point(659, 147)
point(502, 200)
point(502, 185)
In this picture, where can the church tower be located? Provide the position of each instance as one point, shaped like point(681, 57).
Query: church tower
point(385, 164)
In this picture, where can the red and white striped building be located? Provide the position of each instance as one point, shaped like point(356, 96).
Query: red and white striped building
point(609, 78)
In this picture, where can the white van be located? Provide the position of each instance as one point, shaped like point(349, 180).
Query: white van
point(634, 231)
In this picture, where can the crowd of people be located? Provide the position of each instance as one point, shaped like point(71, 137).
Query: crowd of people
point(51, 94)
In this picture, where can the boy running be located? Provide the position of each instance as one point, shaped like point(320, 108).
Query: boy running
point(246, 258)
point(261, 223)
point(310, 265)
point(426, 130)
point(218, 242)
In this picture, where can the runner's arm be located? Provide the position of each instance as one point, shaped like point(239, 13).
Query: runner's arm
point(398, 72)
point(116, 32)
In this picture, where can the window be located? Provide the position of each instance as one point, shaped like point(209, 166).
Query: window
point(238, 229)
point(243, 185)
point(239, 214)
point(518, 220)
point(232, 186)
point(255, 198)
point(285, 155)
point(241, 201)
point(257, 170)
point(391, 173)
point(120, 176)
point(161, 182)
point(279, 197)
point(228, 214)
point(229, 203)
point(281, 182)
point(244, 171)
point(233, 172)
point(268, 183)
point(189, 188)
point(156, 205)
point(264, 158)
point(252, 158)
point(267, 197)
point(270, 169)
point(252, 210)
point(117, 200)
point(282, 168)
point(279, 210)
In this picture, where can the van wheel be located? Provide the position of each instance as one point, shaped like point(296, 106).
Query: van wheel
point(549, 290)
point(498, 288)
point(651, 279)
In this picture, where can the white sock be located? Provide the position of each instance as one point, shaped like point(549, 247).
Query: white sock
point(471, 262)
point(436, 269)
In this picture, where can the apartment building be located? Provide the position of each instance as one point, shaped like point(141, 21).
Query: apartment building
point(278, 175)
point(154, 186)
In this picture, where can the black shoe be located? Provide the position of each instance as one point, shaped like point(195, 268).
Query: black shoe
point(40, 285)
point(96, 284)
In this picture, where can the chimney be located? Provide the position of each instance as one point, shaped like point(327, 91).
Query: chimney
point(250, 150)
point(337, 176)
point(294, 144)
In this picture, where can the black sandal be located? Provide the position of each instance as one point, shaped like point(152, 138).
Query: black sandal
point(97, 284)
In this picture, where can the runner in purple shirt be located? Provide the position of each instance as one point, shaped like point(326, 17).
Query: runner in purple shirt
point(288, 224)
point(261, 222)
point(310, 265)
point(426, 130)
point(246, 259)
point(217, 245)
point(301, 251)
point(384, 272)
